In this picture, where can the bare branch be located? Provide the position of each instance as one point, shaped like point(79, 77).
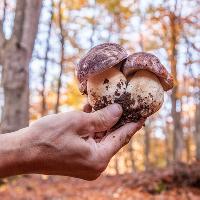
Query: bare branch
point(192, 44)
point(2, 35)
point(30, 26)
point(19, 20)
point(51, 60)
point(26, 22)
point(190, 22)
point(192, 62)
point(195, 47)
point(4, 10)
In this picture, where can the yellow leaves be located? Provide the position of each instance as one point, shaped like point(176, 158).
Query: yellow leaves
point(116, 7)
point(73, 97)
point(73, 4)
point(66, 6)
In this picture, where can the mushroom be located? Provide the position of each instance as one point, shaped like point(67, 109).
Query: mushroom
point(105, 88)
point(147, 81)
point(99, 74)
point(108, 75)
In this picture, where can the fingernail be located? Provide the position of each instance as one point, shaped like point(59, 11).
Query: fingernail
point(115, 109)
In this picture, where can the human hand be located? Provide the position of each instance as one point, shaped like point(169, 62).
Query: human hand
point(64, 143)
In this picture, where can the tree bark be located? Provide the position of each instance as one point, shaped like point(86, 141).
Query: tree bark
point(147, 147)
point(197, 122)
point(15, 57)
point(44, 73)
point(167, 132)
point(176, 114)
point(117, 171)
point(131, 153)
point(62, 42)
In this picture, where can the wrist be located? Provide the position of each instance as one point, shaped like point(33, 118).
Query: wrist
point(16, 153)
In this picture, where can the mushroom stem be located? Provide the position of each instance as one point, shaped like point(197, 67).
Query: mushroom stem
point(146, 91)
point(104, 88)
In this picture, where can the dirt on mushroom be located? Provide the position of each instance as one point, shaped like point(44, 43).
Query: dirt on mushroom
point(137, 81)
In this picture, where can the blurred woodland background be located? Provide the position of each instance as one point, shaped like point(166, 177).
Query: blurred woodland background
point(42, 41)
point(40, 44)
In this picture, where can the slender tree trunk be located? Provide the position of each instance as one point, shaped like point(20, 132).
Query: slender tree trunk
point(176, 114)
point(187, 146)
point(147, 147)
point(189, 125)
point(62, 42)
point(167, 148)
point(131, 153)
point(15, 56)
point(44, 73)
point(197, 122)
point(117, 171)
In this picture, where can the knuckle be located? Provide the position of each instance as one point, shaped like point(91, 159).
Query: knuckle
point(126, 139)
point(102, 120)
point(86, 152)
point(98, 166)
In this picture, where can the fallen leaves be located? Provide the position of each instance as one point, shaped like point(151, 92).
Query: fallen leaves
point(179, 182)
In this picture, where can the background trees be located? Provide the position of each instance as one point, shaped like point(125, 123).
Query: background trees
point(66, 30)
point(15, 56)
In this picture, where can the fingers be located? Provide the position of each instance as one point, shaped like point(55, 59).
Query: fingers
point(87, 108)
point(117, 139)
point(105, 118)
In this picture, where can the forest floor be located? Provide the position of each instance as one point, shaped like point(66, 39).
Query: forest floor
point(174, 183)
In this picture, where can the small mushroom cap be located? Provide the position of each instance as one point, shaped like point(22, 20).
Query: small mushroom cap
point(147, 61)
point(97, 60)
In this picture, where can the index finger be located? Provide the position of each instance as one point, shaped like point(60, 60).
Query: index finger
point(119, 138)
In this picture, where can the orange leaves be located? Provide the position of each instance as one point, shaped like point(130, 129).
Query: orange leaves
point(66, 6)
point(155, 185)
point(74, 4)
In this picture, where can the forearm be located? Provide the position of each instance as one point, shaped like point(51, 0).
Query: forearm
point(15, 153)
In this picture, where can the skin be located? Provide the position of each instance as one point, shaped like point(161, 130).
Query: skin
point(65, 144)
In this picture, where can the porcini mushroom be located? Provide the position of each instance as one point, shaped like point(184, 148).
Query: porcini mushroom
point(99, 74)
point(147, 81)
point(137, 82)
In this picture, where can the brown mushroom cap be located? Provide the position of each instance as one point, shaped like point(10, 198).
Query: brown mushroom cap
point(97, 60)
point(147, 61)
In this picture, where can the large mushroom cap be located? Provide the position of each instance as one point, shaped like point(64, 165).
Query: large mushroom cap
point(147, 61)
point(97, 60)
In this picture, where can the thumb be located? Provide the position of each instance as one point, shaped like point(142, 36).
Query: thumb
point(105, 118)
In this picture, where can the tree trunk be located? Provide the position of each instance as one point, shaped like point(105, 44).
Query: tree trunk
point(176, 114)
point(197, 123)
point(62, 42)
point(15, 57)
point(177, 131)
point(117, 171)
point(167, 142)
point(131, 153)
point(147, 147)
point(44, 73)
